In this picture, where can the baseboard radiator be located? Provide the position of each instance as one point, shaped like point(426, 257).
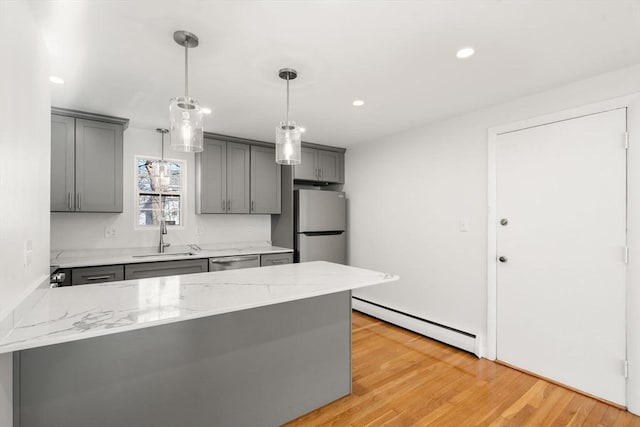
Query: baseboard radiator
point(454, 337)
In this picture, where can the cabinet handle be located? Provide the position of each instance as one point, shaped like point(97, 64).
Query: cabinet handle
point(253, 205)
point(79, 204)
point(98, 278)
point(228, 205)
point(69, 201)
point(229, 260)
point(223, 205)
point(321, 173)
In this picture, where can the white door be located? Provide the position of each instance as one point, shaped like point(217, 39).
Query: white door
point(561, 188)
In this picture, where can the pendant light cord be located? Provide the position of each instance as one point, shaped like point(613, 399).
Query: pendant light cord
point(162, 147)
point(287, 100)
point(186, 69)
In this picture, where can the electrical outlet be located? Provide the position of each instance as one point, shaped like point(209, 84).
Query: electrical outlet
point(109, 232)
point(200, 230)
point(28, 252)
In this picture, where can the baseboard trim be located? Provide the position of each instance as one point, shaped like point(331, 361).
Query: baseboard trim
point(448, 335)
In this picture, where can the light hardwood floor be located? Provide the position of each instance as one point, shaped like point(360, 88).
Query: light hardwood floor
point(404, 379)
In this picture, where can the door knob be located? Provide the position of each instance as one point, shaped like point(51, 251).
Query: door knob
point(504, 221)
point(502, 259)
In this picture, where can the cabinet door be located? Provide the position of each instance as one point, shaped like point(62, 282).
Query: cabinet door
point(211, 177)
point(165, 268)
point(276, 259)
point(308, 168)
point(62, 163)
point(238, 181)
point(331, 165)
point(265, 181)
point(100, 274)
point(98, 166)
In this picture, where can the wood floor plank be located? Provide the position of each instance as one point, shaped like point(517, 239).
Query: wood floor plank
point(404, 379)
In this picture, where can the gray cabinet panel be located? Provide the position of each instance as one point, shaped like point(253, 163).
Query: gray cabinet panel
point(238, 183)
point(320, 165)
point(308, 167)
point(276, 259)
point(165, 268)
point(98, 166)
point(62, 163)
point(265, 181)
point(331, 166)
point(211, 177)
point(101, 274)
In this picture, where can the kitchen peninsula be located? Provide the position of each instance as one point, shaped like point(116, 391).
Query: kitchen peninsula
point(258, 346)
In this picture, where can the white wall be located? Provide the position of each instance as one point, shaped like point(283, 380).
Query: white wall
point(24, 172)
point(86, 230)
point(408, 193)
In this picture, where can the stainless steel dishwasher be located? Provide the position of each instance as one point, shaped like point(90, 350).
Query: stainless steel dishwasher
point(233, 262)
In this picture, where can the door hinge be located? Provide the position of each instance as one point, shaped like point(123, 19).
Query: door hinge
point(626, 254)
point(626, 369)
point(626, 140)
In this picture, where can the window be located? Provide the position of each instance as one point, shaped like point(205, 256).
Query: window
point(155, 203)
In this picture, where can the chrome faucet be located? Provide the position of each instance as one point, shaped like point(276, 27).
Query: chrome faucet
point(163, 231)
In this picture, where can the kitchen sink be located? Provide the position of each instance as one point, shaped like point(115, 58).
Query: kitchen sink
point(164, 254)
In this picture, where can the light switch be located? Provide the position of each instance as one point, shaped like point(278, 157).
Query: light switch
point(109, 232)
point(463, 225)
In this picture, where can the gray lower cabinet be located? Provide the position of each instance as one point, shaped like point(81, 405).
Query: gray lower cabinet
point(165, 268)
point(276, 259)
point(265, 181)
point(86, 164)
point(100, 274)
point(223, 177)
point(320, 166)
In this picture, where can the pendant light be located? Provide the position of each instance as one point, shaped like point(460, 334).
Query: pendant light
point(161, 176)
point(287, 133)
point(185, 113)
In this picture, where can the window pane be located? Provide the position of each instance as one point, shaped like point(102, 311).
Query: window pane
point(175, 180)
point(144, 180)
point(148, 210)
point(171, 209)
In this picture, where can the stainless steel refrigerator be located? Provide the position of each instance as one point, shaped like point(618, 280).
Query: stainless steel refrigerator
point(320, 223)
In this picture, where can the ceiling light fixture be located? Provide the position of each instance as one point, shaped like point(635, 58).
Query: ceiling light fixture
point(465, 52)
point(288, 138)
point(185, 114)
point(358, 103)
point(302, 129)
point(161, 172)
point(57, 80)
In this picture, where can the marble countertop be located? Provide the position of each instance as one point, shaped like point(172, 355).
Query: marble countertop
point(79, 312)
point(94, 257)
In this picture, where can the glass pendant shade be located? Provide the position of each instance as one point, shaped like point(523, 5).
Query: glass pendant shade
point(288, 139)
point(187, 127)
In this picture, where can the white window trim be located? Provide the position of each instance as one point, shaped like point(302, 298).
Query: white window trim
point(183, 193)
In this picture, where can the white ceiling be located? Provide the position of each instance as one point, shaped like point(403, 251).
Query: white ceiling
point(118, 57)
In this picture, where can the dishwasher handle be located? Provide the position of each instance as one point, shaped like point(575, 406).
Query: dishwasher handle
point(230, 260)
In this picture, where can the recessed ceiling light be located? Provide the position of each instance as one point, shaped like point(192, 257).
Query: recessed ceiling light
point(57, 80)
point(302, 129)
point(358, 103)
point(206, 110)
point(465, 52)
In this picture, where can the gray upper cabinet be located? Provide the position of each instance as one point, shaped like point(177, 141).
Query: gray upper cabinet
point(320, 165)
point(211, 177)
point(86, 162)
point(63, 193)
point(223, 177)
point(308, 168)
point(265, 181)
point(331, 166)
point(98, 166)
point(238, 177)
